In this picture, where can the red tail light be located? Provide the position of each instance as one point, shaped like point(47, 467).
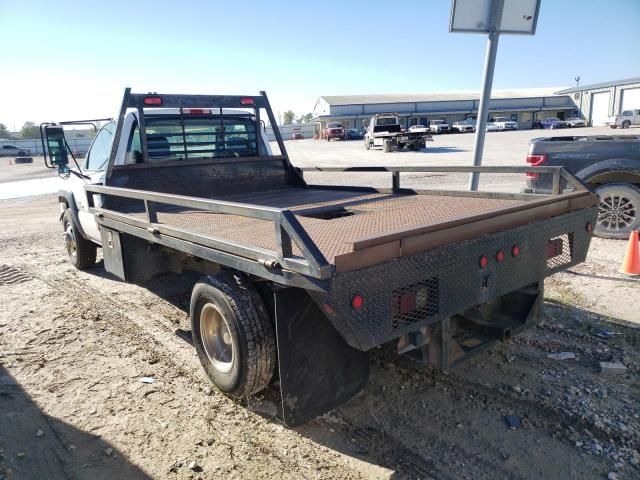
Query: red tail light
point(500, 256)
point(484, 261)
point(247, 101)
point(515, 251)
point(196, 111)
point(155, 101)
point(357, 302)
point(535, 161)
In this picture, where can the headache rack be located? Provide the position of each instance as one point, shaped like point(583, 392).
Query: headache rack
point(190, 108)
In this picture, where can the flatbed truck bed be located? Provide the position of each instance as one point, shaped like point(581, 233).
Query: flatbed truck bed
point(336, 271)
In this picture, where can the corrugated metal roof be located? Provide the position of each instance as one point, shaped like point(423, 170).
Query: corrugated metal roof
point(435, 96)
point(594, 86)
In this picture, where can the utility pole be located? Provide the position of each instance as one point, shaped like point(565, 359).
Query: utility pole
point(487, 83)
point(492, 17)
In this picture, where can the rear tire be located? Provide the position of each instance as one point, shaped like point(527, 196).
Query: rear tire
point(82, 252)
point(233, 334)
point(626, 124)
point(613, 126)
point(386, 148)
point(619, 210)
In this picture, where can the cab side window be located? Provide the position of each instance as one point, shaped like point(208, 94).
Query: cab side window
point(100, 150)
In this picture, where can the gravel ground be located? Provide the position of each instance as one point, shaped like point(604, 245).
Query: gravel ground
point(74, 346)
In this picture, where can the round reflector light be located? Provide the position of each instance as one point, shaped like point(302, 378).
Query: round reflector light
point(500, 256)
point(328, 308)
point(589, 227)
point(515, 250)
point(357, 302)
point(484, 261)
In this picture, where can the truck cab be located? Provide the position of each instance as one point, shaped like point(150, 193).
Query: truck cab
point(172, 135)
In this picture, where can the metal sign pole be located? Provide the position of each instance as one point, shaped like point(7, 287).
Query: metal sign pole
point(487, 82)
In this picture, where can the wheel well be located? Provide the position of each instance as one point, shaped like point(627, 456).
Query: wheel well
point(614, 177)
point(64, 200)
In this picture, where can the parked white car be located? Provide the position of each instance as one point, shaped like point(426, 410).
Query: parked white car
point(575, 122)
point(492, 127)
point(438, 126)
point(418, 128)
point(464, 126)
point(505, 123)
point(625, 119)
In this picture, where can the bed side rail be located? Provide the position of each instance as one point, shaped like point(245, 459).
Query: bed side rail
point(557, 173)
point(288, 230)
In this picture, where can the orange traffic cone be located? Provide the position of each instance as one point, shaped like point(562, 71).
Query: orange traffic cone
point(631, 262)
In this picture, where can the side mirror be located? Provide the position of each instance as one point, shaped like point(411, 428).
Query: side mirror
point(56, 146)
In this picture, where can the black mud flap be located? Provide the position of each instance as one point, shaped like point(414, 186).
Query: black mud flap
point(318, 370)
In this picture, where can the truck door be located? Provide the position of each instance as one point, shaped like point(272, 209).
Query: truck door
point(94, 167)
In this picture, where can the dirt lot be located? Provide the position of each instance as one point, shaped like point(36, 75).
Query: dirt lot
point(74, 346)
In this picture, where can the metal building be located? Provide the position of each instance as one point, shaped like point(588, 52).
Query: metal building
point(599, 101)
point(523, 106)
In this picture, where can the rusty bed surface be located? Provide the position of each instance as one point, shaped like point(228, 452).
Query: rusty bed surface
point(373, 213)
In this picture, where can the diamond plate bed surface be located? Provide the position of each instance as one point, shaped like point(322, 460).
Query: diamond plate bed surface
point(372, 213)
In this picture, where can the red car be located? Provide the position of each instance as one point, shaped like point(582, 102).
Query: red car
point(334, 130)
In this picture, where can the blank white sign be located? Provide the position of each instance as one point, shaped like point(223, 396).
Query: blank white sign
point(473, 16)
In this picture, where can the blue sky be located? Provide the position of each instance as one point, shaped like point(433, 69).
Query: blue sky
point(65, 60)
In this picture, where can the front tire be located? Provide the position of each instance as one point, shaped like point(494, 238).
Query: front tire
point(626, 124)
point(618, 211)
point(82, 252)
point(233, 334)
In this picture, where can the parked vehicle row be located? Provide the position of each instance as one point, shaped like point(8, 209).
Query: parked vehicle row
point(440, 126)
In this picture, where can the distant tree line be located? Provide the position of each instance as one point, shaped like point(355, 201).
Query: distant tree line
point(289, 117)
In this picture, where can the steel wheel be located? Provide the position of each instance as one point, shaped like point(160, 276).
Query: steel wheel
point(70, 239)
point(618, 211)
point(216, 338)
